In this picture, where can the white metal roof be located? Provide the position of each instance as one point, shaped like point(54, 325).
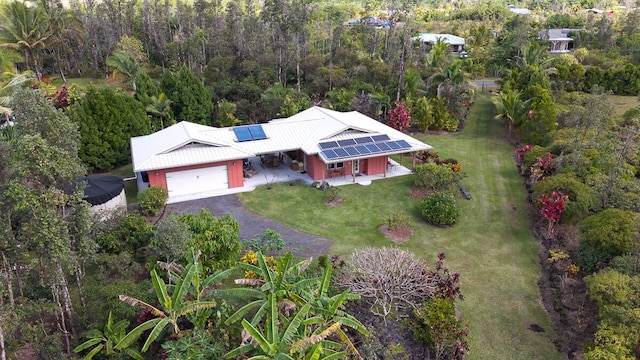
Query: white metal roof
point(432, 38)
point(186, 143)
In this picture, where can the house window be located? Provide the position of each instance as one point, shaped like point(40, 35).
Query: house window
point(335, 166)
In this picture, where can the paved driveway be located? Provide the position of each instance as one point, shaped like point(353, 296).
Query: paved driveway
point(300, 244)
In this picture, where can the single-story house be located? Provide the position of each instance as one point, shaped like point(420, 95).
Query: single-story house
point(559, 40)
point(188, 158)
point(456, 43)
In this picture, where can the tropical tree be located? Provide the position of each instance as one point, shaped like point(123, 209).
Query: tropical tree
point(185, 297)
point(103, 342)
point(25, 27)
point(124, 63)
point(511, 107)
point(160, 108)
point(7, 90)
point(292, 314)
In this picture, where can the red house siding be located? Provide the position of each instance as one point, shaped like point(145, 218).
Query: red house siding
point(317, 169)
point(376, 165)
point(234, 172)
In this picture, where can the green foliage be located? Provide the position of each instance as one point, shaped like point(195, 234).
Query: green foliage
point(103, 342)
point(436, 177)
point(218, 239)
point(265, 242)
point(435, 323)
point(292, 314)
point(421, 112)
point(171, 237)
point(531, 156)
point(197, 345)
point(581, 198)
point(122, 232)
point(108, 120)
point(225, 114)
point(152, 200)
point(395, 219)
point(618, 298)
point(609, 287)
point(589, 259)
point(543, 119)
point(440, 208)
point(613, 232)
point(145, 88)
point(182, 299)
point(190, 99)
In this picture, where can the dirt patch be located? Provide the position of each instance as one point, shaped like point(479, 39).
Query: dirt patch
point(420, 193)
point(399, 235)
point(389, 340)
point(333, 202)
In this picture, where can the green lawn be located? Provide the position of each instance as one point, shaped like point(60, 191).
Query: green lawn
point(491, 247)
point(130, 186)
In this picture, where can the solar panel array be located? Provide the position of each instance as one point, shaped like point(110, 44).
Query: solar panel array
point(249, 133)
point(368, 145)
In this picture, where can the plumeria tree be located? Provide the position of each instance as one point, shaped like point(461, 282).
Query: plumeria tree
point(551, 207)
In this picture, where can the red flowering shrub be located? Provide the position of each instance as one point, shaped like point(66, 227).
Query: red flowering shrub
point(399, 117)
point(551, 208)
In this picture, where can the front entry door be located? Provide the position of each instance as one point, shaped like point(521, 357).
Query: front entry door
point(356, 166)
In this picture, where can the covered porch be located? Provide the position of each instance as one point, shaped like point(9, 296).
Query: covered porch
point(283, 173)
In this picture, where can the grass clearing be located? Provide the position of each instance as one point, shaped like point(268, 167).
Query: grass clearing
point(491, 247)
point(623, 103)
point(130, 186)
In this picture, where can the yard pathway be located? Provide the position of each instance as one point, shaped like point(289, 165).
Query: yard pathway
point(299, 243)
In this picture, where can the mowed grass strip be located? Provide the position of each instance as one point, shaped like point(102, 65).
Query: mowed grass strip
point(491, 246)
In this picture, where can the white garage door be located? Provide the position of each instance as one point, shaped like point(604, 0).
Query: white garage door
point(197, 180)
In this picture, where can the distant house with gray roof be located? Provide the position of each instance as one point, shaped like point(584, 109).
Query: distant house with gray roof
point(559, 40)
point(456, 43)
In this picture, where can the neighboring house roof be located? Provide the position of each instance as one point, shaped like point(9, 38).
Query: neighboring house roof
point(520, 11)
point(556, 34)
point(594, 11)
point(446, 38)
point(186, 143)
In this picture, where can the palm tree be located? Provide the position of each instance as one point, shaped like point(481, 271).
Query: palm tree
point(340, 99)
point(534, 55)
point(160, 107)
point(510, 106)
point(413, 83)
point(25, 27)
point(7, 89)
point(438, 55)
point(125, 64)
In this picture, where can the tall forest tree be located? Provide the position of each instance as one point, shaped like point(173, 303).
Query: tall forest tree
point(190, 99)
point(44, 219)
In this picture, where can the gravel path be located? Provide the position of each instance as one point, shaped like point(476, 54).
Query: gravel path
point(299, 243)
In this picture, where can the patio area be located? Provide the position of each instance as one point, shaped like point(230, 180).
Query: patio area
point(284, 173)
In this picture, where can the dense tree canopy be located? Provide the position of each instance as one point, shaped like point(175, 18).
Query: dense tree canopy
point(107, 120)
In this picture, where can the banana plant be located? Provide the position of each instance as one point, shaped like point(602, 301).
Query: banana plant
point(283, 291)
point(103, 341)
point(187, 298)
